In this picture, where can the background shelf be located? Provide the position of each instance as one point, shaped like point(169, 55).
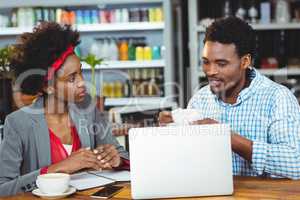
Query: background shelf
point(130, 26)
point(136, 101)
point(271, 26)
point(128, 64)
point(273, 72)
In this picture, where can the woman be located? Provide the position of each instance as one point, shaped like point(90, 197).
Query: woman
point(61, 131)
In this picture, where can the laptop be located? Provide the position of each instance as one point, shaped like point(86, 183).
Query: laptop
point(180, 161)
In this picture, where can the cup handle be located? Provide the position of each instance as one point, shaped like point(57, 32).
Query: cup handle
point(37, 183)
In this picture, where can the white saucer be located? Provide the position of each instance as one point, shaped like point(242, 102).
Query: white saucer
point(70, 191)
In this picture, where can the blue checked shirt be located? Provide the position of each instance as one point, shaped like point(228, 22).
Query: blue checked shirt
point(266, 113)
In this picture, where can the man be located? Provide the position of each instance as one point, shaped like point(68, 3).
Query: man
point(264, 116)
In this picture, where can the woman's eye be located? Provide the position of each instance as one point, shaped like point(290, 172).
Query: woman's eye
point(205, 62)
point(71, 79)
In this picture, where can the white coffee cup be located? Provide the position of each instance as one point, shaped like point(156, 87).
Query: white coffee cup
point(53, 183)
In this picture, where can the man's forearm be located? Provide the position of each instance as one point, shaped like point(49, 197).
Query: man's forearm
point(241, 146)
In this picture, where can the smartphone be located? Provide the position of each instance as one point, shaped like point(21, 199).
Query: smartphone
point(107, 192)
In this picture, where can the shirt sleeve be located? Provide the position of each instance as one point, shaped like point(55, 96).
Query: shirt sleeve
point(194, 101)
point(280, 155)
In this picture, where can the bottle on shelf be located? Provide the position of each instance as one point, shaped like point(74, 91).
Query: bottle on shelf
point(131, 49)
point(29, 12)
point(118, 89)
point(125, 15)
point(282, 11)
point(4, 21)
point(21, 17)
point(159, 15)
point(94, 17)
point(58, 14)
point(151, 13)
point(126, 89)
point(112, 16)
point(95, 48)
point(153, 88)
point(118, 15)
point(241, 12)
point(87, 17)
point(106, 54)
point(123, 49)
point(102, 17)
point(46, 14)
point(143, 90)
point(156, 53)
point(147, 53)
point(134, 15)
point(136, 83)
point(253, 13)
point(14, 18)
point(113, 49)
point(52, 15)
point(104, 91)
point(72, 17)
point(79, 17)
point(139, 53)
point(144, 15)
point(131, 82)
point(265, 12)
point(227, 10)
point(162, 52)
point(111, 90)
point(159, 81)
point(65, 17)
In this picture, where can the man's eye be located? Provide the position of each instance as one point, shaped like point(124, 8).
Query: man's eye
point(222, 64)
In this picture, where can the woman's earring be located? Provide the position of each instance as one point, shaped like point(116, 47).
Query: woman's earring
point(49, 91)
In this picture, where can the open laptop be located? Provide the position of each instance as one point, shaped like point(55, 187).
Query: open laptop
point(180, 161)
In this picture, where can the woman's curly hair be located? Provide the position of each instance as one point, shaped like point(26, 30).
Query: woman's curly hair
point(233, 30)
point(38, 50)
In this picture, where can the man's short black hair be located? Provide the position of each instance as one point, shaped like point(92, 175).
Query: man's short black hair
point(232, 30)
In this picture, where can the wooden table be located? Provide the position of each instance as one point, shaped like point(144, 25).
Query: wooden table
point(244, 188)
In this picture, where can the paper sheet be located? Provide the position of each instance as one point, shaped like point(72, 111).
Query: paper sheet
point(114, 175)
point(84, 180)
point(185, 116)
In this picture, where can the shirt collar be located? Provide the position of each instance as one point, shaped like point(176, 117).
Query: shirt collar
point(256, 80)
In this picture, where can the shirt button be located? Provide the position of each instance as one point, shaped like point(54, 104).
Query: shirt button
point(28, 186)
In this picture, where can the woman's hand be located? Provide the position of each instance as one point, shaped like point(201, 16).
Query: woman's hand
point(108, 156)
point(81, 159)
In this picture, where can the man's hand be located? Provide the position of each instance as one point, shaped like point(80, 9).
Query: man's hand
point(205, 121)
point(108, 156)
point(239, 144)
point(123, 129)
point(164, 118)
